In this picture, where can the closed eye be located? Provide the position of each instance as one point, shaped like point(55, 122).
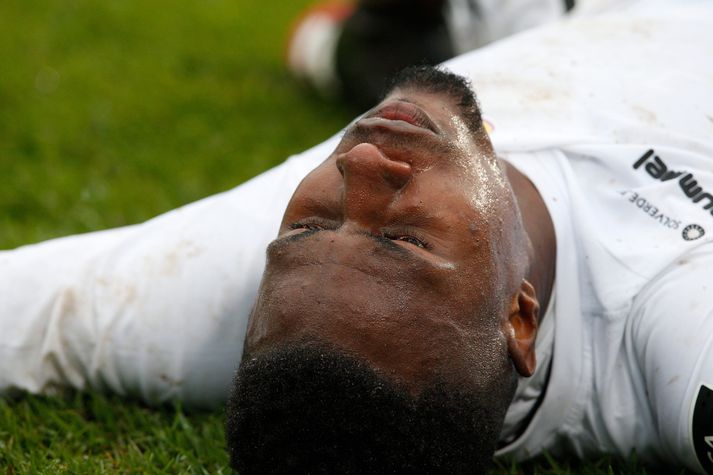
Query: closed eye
point(406, 236)
point(409, 239)
point(313, 224)
point(307, 226)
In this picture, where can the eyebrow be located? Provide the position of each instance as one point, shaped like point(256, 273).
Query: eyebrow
point(394, 250)
point(283, 241)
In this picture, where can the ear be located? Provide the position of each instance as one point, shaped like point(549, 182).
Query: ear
point(521, 329)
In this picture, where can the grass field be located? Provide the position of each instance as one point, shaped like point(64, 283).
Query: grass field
point(112, 112)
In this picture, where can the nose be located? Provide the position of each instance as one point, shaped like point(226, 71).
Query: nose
point(371, 183)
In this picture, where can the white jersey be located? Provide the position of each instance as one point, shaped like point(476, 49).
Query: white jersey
point(617, 135)
point(610, 117)
point(633, 311)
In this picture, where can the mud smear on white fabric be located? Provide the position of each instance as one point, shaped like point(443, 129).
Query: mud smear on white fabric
point(125, 292)
point(174, 258)
point(647, 116)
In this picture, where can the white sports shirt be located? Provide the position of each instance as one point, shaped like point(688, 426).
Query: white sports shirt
point(611, 117)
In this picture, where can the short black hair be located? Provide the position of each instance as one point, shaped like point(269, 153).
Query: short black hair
point(307, 408)
point(437, 80)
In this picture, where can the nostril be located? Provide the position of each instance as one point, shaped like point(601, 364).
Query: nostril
point(368, 161)
point(397, 174)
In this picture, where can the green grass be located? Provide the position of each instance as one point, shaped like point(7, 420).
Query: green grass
point(94, 434)
point(89, 433)
point(112, 112)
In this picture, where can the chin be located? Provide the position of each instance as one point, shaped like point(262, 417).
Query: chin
point(308, 408)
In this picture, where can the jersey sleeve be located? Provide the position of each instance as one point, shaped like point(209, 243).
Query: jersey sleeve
point(671, 341)
point(157, 310)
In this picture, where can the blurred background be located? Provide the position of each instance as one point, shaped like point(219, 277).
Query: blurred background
point(114, 111)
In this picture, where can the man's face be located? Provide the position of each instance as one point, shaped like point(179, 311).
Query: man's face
point(395, 250)
point(390, 303)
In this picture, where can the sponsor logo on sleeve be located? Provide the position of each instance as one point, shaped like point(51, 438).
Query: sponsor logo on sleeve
point(702, 428)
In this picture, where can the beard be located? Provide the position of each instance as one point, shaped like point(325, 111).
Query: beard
point(307, 408)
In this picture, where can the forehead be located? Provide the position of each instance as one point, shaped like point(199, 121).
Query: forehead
point(353, 282)
point(401, 314)
point(343, 272)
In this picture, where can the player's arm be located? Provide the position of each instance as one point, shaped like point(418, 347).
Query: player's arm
point(156, 310)
point(672, 337)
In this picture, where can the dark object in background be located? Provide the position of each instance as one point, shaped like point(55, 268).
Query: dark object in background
point(352, 48)
point(383, 37)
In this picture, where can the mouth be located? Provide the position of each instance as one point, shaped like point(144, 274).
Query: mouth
point(399, 110)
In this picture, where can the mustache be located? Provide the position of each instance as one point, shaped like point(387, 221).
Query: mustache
point(392, 139)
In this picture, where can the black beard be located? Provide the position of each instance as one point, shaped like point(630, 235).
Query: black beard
point(311, 409)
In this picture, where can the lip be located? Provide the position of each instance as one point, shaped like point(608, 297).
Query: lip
point(403, 111)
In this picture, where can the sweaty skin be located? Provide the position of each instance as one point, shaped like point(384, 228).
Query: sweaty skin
point(409, 249)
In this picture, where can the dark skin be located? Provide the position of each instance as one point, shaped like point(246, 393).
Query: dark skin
point(414, 248)
point(538, 225)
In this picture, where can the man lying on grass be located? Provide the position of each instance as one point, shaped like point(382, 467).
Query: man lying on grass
point(400, 300)
point(436, 292)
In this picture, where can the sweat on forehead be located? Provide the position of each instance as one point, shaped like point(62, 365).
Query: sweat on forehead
point(440, 81)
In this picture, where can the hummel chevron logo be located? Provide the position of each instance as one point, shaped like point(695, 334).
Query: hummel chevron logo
point(658, 170)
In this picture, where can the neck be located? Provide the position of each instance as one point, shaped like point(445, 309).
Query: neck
point(539, 227)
